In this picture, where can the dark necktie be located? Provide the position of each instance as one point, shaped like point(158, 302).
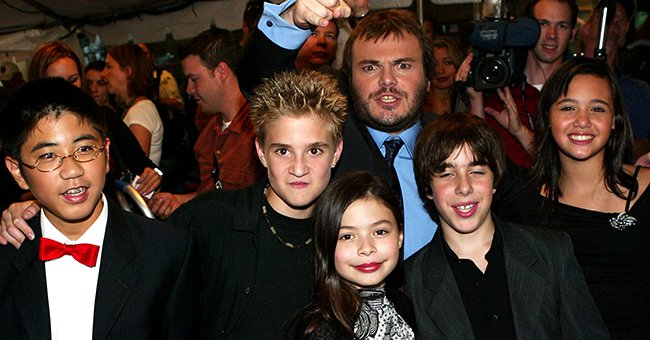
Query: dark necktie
point(84, 253)
point(392, 146)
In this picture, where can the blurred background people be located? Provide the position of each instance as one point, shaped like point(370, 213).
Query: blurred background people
point(128, 73)
point(447, 58)
point(320, 48)
point(95, 84)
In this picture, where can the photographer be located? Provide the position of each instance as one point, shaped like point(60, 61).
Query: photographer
point(511, 109)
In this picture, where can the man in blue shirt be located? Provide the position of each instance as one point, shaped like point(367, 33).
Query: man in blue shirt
point(387, 63)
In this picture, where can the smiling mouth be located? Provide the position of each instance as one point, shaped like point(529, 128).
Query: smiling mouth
point(581, 138)
point(387, 99)
point(466, 207)
point(76, 191)
point(368, 267)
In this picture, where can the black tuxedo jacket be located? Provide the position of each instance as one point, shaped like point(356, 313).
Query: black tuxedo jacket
point(548, 294)
point(145, 288)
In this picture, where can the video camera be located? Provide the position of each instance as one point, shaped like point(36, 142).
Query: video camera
point(494, 41)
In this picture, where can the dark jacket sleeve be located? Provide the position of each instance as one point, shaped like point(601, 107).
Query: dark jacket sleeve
point(125, 149)
point(262, 58)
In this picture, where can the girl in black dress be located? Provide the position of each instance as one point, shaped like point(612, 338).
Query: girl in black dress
point(581, 184)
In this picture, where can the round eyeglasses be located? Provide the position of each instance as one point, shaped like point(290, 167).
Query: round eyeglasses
point(52, 161)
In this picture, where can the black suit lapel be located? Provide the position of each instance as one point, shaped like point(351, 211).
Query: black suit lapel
point(117, 276)
point(29, 290)
point(445, 307)
point(526, 285)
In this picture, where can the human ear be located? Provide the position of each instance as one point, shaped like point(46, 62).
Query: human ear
point(107, 145)
point(260, 153)
point(14, 169)
point(337, 152)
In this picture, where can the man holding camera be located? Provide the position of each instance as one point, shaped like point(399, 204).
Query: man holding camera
point(557, 21)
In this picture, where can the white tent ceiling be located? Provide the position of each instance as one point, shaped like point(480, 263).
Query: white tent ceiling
point(26, 23)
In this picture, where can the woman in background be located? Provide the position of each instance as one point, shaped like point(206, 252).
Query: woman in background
point(128, 73)
point(447, 56)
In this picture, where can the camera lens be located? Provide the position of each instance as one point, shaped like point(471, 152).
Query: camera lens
point(492, 72)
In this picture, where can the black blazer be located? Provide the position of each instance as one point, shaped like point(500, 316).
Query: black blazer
point(145, 288)
point(548, 293)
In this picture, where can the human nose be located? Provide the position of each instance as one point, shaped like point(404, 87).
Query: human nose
point(366, 246)
point(71, 168)
point(464, 186)
point(320, 40)
point(582, 119)
point(551, 31)
point(439, 69)
point(190, 88)
point(387, 77)
point(299, 166)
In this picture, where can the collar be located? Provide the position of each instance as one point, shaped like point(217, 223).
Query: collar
point(408, 136)
point(94, 234)
point(496, 246)
point(237, 123)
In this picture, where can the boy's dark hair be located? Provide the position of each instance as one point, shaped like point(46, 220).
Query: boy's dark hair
point(97, 65)
point(39, 99)
point(440, 138)
point(212, 47)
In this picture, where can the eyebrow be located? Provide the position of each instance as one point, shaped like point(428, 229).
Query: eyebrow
point(374, 224)
point(81, 138)
point(322, 145)
point(596, 100)
point(394, 61)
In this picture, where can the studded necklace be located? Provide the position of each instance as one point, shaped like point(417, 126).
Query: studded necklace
point(274, 232)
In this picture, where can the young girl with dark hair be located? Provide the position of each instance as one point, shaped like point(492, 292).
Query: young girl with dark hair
point(358, 233)
point(582, 184)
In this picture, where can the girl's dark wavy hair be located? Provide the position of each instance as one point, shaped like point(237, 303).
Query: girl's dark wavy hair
point(546, 169)
point(336, 301)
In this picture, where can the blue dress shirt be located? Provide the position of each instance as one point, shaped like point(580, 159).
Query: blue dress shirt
point(418, 226)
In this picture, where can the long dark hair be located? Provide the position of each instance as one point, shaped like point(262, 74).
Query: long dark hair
point(336, 301)
point(546, 170)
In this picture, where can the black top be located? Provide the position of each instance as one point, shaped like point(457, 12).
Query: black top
point(241, 273)
point(284, 278)
point(485, 295)
point(615, 263)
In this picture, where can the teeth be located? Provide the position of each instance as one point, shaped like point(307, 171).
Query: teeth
point(388, 99)
point(581, 137)
point(76, 191)
point(465, 208)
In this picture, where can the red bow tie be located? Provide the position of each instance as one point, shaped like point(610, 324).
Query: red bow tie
point(84, 253)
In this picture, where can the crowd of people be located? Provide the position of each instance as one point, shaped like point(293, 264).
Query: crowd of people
point(388, 199)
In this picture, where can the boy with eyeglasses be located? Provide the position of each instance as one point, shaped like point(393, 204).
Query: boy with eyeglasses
point(92, 271)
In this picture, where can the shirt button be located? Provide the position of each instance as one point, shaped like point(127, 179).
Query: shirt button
point(269, 24)
point(494, 317)
point(247, 290)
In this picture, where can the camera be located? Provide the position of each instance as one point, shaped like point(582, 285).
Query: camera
point(494, 42)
